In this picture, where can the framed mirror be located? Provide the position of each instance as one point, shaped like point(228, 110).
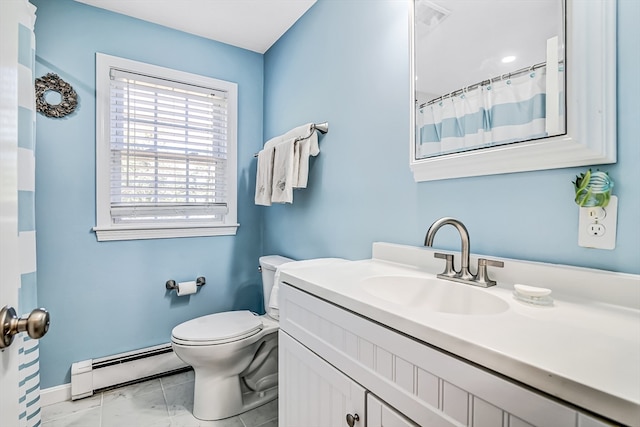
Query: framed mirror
point(503, 86)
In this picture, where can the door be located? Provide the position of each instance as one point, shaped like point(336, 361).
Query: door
point(312, 393)
point(9, 262)
point(19, 360)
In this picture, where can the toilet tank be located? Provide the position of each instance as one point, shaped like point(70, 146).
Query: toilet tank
point(268, 265)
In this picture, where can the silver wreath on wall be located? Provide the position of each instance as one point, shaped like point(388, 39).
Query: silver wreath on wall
point(51, 82)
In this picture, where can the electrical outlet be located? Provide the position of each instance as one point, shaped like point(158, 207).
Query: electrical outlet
point(596, 229)
point(596, 214)
point(597, 226)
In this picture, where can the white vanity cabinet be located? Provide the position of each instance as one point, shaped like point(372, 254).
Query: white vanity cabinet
point(379, 414)
point(318, 395)
point(332, 361)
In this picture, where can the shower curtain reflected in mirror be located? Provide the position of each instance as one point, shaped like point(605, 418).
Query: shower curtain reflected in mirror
point(496, 112)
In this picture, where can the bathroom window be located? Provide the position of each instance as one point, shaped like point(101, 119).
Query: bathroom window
point(165, 152)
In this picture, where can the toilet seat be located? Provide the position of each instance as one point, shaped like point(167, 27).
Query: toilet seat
point(218, 328)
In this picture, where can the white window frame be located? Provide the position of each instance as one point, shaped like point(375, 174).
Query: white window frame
point(105, 229)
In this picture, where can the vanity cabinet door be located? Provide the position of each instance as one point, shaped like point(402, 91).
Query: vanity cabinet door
point(312, 393)
point(379, 414)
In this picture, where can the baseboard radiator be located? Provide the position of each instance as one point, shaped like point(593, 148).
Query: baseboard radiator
point(96, 375)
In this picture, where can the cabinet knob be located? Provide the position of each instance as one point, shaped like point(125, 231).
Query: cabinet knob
point(351, 419)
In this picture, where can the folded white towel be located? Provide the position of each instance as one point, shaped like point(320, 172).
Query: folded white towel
point(305, 149)
point(303, 131)
point(274, 304)
point(306, 146)
point(283, 170)
point(273, 142)
point(288, 167)
point(264, 177)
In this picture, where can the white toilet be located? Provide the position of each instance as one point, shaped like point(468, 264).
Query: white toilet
point(234, 355)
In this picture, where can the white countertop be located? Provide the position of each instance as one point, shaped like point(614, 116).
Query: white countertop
point(581, 350)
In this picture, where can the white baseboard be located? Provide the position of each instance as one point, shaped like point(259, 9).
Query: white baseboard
point(57, 394)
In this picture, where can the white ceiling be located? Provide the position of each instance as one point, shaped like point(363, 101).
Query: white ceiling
point(250, 24)
point(467, 46)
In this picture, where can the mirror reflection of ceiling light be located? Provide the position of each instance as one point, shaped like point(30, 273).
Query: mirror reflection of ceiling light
point(508, 59)
point(429, 13)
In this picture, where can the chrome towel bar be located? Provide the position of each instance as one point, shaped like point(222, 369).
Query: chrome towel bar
point(320, 127)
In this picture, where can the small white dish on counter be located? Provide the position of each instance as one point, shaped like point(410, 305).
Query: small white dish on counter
point(532, 295)
point(531, 291)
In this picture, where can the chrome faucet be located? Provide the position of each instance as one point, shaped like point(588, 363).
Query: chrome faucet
point(464, 275)
point(464, 236)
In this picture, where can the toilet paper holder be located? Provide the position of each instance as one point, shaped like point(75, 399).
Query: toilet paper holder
point(172, 284)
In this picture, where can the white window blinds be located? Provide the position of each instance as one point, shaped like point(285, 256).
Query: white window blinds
point(168, 150)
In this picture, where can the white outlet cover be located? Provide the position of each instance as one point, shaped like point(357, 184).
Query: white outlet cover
point(606, 240)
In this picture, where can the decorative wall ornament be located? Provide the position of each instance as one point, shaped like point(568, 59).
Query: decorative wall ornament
point(51, 82)
point(593, 189)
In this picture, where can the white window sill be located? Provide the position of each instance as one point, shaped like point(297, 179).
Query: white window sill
point(138, 232)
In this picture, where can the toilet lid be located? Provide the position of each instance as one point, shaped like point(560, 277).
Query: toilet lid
point(219, 327)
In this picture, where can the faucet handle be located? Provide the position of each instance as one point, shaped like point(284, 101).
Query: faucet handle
point(482, 278)
point(491, 262)
point(448, 269)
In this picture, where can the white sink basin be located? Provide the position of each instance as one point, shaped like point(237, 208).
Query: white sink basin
point(433, 294)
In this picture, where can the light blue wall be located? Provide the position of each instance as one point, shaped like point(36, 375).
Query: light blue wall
point(342, 62)
point(109, 297)
point(348, 64)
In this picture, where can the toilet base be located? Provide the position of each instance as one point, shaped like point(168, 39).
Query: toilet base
point(218, 398)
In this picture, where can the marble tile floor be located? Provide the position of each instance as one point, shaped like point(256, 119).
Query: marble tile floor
point(161, 402)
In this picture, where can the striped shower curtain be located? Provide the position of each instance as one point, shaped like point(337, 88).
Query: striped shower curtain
point(497, 113)
point(29, 365)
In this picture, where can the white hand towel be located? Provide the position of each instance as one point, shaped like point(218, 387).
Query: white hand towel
point(283, 167)
point(304, 131)
point(306, 148)
point(273, 142)
point(274, 304)
point(307, 142)
point(288, 167)
point(264, 177)
point(296, 164)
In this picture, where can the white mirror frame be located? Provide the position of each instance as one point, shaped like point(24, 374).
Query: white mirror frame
point(591, 107)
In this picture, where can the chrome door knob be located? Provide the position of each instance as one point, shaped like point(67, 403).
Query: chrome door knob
point(35, 325)
point(351, 419)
